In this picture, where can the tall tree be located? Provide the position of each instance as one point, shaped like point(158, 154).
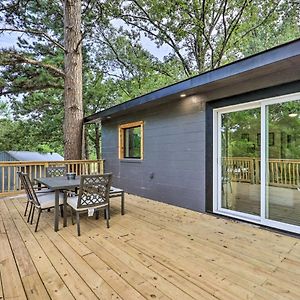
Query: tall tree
point(73, 105)
point(38, 20)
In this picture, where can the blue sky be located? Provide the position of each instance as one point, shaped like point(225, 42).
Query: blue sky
point(8, 40)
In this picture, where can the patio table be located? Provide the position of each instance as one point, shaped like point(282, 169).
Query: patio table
point(59, 183)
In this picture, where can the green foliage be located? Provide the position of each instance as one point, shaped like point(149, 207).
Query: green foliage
point(27, 135)
point(241, 132)
point(203, 35)
point(282, 26)
point(35, 123)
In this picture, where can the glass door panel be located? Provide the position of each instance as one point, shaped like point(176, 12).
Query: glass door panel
point(283, 162)
point(240, 161)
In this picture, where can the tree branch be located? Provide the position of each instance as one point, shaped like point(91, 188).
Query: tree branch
point(260, 23)
point(113, 75)
point(26, 89)
point(35, 32)
point(168, 39)
point(107, 42)
point(230, 31)
point(21, 59)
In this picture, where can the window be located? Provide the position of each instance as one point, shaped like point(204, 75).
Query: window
point(131, 140)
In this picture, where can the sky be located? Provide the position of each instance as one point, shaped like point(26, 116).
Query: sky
point(10, 39)
point(7, 40)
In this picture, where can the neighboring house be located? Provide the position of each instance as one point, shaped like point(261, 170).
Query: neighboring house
point(226, 141)
point(22, 156)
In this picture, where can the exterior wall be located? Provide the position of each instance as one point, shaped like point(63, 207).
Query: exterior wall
point(173, 168)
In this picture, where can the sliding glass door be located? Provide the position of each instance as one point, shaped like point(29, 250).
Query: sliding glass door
point(283, 162)
point(257, 165)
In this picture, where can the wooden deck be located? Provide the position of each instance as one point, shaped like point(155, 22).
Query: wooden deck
point(154, 251)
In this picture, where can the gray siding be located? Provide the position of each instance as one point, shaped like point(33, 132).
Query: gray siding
point(173, 169)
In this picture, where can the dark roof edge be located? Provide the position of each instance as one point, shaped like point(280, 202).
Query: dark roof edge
point(260, 59)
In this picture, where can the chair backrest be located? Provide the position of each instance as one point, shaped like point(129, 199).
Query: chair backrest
point(29, 189)
point(24, 185)
point(20, 174)
point(94, 190)
point(53, 171)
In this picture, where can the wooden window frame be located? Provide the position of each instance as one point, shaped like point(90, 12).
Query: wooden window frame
point(122, 128)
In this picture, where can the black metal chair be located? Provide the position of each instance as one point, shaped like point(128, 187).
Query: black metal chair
point(54, 171)
point(40, 201)
point(93, 196)
point(29, 200)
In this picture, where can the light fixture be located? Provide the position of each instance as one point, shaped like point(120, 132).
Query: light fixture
point(182, 95)
point(293, 115)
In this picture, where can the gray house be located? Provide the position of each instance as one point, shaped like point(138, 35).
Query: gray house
point(226, 141)
point(7, 171)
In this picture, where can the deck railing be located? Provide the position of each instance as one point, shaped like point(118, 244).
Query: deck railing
point(10, 183)
point(282, 172)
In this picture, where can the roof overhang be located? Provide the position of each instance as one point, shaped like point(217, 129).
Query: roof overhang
point(276, 66)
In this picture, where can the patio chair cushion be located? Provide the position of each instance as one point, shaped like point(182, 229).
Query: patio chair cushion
point(47, 200)
point(73, 201)
point(114, 190)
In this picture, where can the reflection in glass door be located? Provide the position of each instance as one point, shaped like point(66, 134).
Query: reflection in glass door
point(257, 147)
point(240, 161)
point(283, 162)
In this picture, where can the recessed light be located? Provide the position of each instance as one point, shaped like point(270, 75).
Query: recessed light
point(182, 95)
point(293, 115)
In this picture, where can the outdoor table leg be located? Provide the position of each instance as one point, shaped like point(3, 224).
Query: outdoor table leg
point(107, 212)
point(65, 209)
point(122, 204)
point(56, 210)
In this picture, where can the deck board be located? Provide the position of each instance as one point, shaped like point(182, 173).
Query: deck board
point(154, 251)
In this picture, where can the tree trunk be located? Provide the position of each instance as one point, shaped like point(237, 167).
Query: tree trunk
point(97, 141)
point(73, 80)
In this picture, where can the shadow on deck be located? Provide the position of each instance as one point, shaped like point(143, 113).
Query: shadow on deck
point(154, 251)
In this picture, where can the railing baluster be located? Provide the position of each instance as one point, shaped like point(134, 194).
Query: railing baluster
point(285, 172)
